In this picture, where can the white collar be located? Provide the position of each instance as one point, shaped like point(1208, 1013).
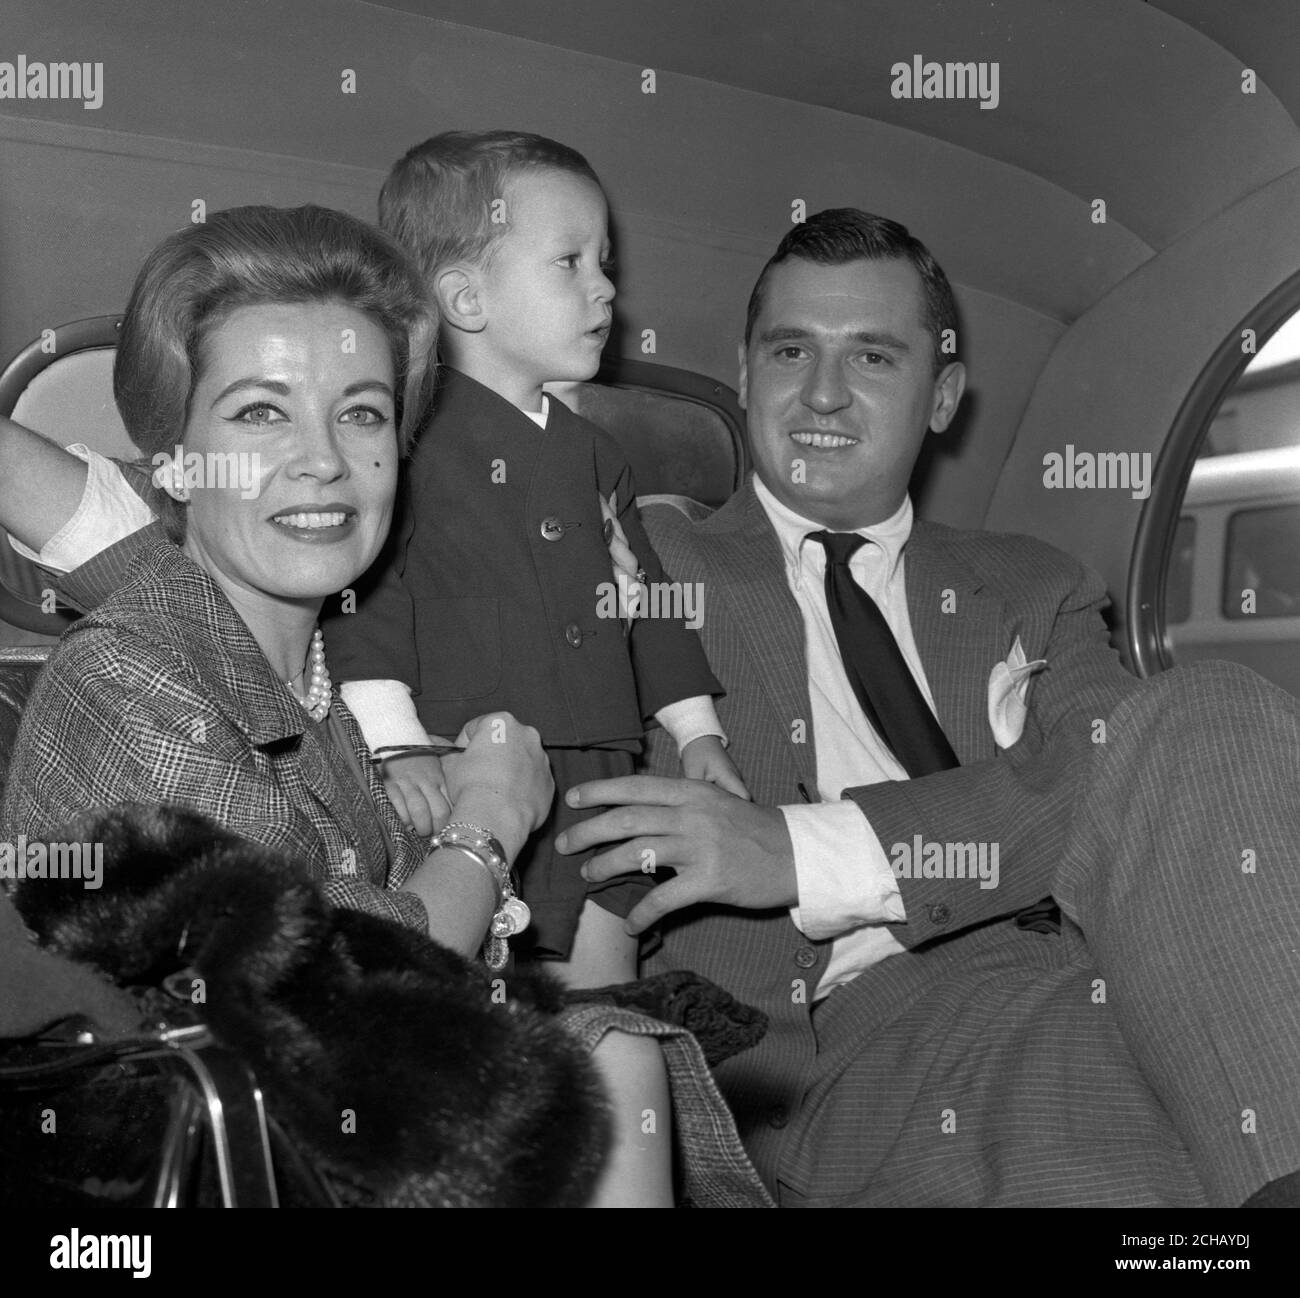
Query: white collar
point(792, 529)
point(539, 417)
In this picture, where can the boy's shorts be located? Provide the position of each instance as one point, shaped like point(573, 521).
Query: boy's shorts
point(550, 883)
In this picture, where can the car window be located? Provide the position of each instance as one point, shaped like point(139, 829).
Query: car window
point(1232, 577)
point(1262, 572)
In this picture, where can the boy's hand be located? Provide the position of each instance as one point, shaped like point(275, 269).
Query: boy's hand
point(706, 759)
point(415, 786)
point(626, 564)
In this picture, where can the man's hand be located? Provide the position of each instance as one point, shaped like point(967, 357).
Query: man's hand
point(724, 849)
point(706, 759)
point(415, 786)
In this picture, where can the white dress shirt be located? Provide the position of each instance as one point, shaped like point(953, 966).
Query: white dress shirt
point(108, 511)
point(847, 890)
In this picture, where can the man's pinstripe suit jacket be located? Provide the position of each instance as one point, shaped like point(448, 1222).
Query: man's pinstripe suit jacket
point(970, 594)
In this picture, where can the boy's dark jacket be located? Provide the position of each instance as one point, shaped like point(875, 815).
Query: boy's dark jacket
point(486, 596)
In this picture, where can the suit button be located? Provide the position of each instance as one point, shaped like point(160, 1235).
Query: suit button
point(805, 957)
point(552, 529)
point(607, 532)
point(573, 634)
point(777, 1116)
point(940, 915)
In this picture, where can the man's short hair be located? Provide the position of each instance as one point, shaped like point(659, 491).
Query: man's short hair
point(841, 235)
point(439, 201)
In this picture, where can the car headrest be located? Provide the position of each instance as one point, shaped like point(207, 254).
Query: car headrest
point(61, 385)
point(72, 401)
point(682, 433)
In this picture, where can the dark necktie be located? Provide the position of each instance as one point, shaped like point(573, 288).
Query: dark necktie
point(877, 671)
point(887, 690)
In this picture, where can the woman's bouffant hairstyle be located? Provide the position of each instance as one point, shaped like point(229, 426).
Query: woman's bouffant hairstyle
point(443, 201)
point(254, 256)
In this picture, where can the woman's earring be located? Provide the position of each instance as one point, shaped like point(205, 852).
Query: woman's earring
point(169, 476)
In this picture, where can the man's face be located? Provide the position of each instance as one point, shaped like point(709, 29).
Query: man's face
point(839, 385)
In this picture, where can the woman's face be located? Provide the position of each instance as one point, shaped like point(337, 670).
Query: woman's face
point(290, 453)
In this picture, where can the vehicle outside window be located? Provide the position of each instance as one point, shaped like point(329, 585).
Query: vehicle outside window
point(1232, 588)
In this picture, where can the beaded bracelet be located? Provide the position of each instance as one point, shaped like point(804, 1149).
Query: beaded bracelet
point(498, 885)
point(510, 914)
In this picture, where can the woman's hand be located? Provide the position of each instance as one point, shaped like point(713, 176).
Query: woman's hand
point(502, 781)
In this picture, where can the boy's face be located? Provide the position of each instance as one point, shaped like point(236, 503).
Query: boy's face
point(545, 294)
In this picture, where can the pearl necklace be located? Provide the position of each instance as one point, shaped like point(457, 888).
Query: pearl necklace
point(317, 700)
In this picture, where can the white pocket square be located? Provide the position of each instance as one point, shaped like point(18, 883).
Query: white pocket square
point(1008, 690)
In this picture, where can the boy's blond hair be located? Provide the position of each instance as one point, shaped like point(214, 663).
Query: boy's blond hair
point(441, 200)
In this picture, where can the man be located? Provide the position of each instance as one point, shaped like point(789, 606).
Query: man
point(935, 1038)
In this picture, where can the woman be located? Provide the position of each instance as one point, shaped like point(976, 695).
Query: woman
point(182, 687)
point(288, 349)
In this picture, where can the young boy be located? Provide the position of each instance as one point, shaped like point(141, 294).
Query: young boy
point(487, 597)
